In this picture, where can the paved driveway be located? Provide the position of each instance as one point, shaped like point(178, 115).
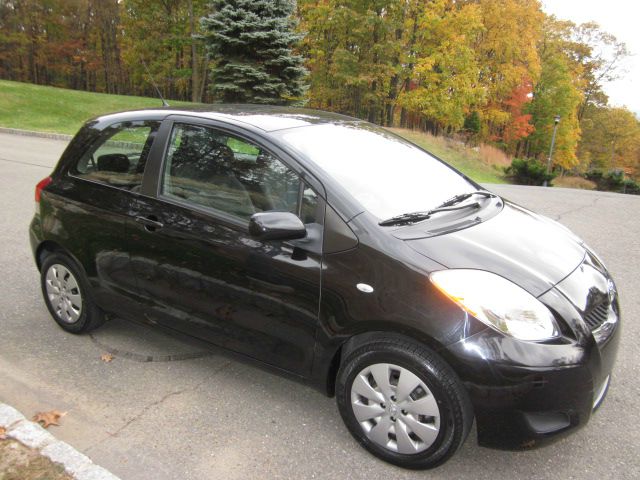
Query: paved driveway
point(212, 417)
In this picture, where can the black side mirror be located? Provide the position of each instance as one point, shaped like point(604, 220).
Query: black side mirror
point(276, 226)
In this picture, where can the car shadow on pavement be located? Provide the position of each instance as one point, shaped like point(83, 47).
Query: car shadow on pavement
point(284, 399)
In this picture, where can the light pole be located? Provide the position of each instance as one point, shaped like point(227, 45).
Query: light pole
point(556, 121)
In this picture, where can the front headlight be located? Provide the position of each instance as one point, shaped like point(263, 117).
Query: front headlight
point(497, 302)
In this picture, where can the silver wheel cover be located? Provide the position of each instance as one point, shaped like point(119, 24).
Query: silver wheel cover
point(63, 293)
point(395, 409)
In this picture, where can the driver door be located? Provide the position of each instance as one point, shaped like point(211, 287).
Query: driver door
point(200, 272)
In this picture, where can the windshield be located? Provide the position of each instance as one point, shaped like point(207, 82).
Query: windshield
point(386, 174)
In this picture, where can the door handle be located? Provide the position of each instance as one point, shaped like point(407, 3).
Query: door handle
point(272, 286)
point(150, 223)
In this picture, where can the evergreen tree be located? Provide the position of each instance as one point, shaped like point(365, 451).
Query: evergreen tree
point(250, 43)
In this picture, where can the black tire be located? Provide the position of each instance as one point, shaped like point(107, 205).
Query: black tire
point(90, 316)
point(455, 409)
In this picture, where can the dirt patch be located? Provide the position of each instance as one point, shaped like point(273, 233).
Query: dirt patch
point(18, 462)
point(493, 156)
point(574, 182)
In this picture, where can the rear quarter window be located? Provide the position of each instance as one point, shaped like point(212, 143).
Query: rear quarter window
point(119, 155)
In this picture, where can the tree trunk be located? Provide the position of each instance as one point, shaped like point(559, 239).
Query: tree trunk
point(403, 117)
point(391, 100)
point(203, 84)
point(195, 80)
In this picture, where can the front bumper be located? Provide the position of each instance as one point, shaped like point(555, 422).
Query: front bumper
point(526, 394)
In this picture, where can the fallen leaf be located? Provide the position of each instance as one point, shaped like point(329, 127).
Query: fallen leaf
point(48, 418)
point(106, 357)
point(3, 433)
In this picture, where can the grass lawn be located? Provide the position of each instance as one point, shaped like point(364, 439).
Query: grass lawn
point(58, 110)
point(49, 109)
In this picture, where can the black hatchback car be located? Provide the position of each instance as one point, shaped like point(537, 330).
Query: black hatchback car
point(330, 249)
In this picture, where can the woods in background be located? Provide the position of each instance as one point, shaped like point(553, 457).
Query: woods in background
point(102, 45)
point(494, 71)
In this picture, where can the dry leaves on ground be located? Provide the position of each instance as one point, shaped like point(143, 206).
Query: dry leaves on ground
point(48, 418)
point(106, 357)
point(3, 433)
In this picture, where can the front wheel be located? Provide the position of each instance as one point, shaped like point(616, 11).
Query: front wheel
point(403, 403)
point(67, 296)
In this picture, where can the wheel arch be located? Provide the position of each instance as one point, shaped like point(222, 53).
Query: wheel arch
point(355, 340)
point(44, 249)
point(48, 247)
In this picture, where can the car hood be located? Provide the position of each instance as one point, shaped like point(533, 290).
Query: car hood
point(531, 250)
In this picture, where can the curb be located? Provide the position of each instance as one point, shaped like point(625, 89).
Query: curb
point(34, 436)
point(29, 133)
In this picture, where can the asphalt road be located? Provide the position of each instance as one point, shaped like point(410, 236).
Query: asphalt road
point(212, 417)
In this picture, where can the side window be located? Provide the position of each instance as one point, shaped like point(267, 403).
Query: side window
point(214, 169)
point(119, 156)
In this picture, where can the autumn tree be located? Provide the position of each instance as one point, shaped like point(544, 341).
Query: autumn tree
point(610, 140)
point(389, 61)
point(250, 43)
point(63, 43)
point(444, 82)
point(557, 92)
point(355, 54)
point(519, 126)
point(161, 36)
point(507, 52)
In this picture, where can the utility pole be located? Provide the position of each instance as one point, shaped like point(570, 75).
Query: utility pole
point(556, 121)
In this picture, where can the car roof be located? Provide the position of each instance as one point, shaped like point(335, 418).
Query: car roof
point(267, 118)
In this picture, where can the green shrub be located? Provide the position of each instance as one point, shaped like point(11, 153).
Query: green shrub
point(613, 181)
point(529, 172)
point(631, 187)
point(595, 176)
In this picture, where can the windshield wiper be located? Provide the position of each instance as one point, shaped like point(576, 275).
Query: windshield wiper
point(446, 206)
point(419, 216)
point(463, 196)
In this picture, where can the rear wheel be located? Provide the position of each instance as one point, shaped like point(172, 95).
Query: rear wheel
point(67, 295)
point(403, 403)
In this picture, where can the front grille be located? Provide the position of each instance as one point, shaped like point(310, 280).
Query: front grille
point(597, 315)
